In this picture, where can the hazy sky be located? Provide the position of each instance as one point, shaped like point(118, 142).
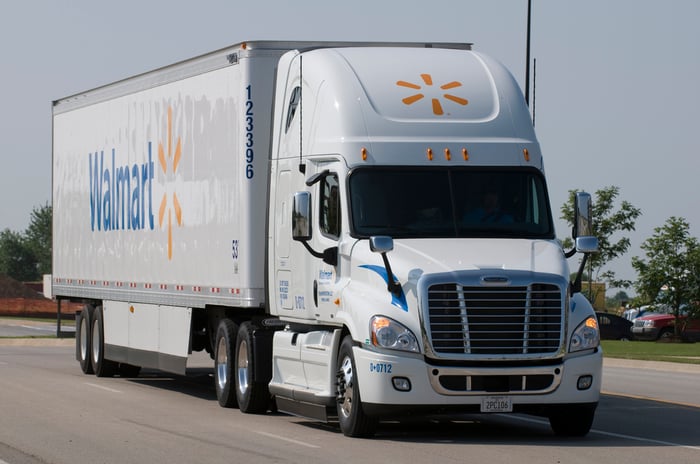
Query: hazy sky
point(617, 84)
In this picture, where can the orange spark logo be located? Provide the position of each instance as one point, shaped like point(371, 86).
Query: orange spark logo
point(174, 159)
point(428, 81)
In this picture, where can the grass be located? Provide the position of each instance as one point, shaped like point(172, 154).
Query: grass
point(688, 353)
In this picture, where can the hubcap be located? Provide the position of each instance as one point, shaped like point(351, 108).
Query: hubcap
point(83, 338)
point(96, 342)
point(221, 364)
point(347, 387)
point(243, 366)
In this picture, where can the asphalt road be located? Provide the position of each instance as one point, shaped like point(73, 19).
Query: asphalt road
point(51, 413)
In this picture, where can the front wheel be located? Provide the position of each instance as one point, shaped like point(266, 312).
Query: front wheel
point(573, 421)
point(353, 420)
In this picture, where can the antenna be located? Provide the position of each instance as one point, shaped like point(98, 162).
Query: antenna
point(527, 54)
point(302, 166)
point(534, 89)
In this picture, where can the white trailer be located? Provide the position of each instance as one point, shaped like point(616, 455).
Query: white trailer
point(358, 230)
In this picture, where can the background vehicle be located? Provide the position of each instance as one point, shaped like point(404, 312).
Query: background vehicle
point(655, 326)
point(613, 327)
point(298, 210)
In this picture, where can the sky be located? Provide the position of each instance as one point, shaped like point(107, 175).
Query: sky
point(616, 97)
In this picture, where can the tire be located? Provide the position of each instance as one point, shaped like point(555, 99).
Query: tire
point(82, 339)
point(353, 420)
point(666, 334)
point(253, 396)
point(223, 363)
point(102, 367)
point(573, 421)
point(128, 370)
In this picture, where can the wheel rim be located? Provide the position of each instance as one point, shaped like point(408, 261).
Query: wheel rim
point(242, 370)
point(222, 364)
point(83, 338)
point(96, 342)
point(347, 394)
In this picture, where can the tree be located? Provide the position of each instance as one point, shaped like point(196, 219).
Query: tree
point(25, 257)
point(16, 259)
point(38, 238)
point(607, 222)
point(670, 275)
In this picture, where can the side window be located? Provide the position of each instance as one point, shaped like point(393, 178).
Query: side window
point(293, 105)
point(330, 207)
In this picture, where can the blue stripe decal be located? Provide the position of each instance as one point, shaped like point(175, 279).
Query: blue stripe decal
point(398, 301)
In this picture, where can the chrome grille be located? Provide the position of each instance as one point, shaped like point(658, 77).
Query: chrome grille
point(494, 320)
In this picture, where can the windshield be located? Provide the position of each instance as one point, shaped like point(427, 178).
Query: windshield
point(449, 202)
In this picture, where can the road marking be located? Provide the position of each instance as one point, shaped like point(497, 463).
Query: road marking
point(288, 440)
point(648, 398)
point(103, 388)
point(611, 434)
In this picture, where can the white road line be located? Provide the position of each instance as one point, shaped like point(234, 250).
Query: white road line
point(611, 434)
point(103, 388)
point(288, 440)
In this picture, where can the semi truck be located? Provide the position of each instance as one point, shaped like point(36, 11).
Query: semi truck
point(353, 231)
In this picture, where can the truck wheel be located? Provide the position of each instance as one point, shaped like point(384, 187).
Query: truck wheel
point(223, 363)
point(574, 421)
point(666, 334)
point(353, 420)
point(82, 339)
point(253, 397)
point(102, 367)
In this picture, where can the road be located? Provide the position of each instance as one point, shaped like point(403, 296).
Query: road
point(51, 413)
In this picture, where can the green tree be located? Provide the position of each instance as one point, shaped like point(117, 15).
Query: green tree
point(25, 257)
point(670, 274)
point(608, 221)
point(16, 259)
point(38, 238)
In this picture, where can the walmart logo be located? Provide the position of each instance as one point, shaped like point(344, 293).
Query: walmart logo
point(427, 86)
point(121, 196)
point(168, 164)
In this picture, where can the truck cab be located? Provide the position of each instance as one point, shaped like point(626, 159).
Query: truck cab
point(412, 249)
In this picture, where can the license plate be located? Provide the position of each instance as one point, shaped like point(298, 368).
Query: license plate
point(497, 404)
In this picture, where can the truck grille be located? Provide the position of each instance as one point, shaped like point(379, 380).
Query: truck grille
point(494, 320)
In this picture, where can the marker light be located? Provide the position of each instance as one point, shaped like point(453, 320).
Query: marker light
point(448, 155)
point(526, 154)
point(465, 154)
point(430, 154)
point(363, 152)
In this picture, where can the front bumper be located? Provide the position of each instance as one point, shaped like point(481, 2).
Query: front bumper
point(645, 333)
point(464, 388)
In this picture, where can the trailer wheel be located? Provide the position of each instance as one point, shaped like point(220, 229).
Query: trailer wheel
point(102, 367)
point(223, 363)
point(82, 339)
point(253, 396)
point(353, 420)
point(573, 421)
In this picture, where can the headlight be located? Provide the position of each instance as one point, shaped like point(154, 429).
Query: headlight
point(387, 333)
point(649, 323)
point(586, 336)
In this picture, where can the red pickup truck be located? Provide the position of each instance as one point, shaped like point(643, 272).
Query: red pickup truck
point(655, 326)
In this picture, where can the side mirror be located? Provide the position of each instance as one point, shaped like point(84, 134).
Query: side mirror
point(381, 244)
point(301, 216)
point(583, 224)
